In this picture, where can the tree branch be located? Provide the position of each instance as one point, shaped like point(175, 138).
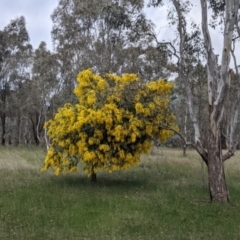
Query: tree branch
point(201, 151)
point(182, 73)
point(231, 151)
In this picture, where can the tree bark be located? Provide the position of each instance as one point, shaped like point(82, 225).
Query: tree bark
point(18, 127)
point(218, 89)
point(35, 128)
point(3, 136)
point(216, 175)
point(35, 135)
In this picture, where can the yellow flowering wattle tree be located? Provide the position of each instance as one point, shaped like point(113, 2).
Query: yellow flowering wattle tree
point(114, 122)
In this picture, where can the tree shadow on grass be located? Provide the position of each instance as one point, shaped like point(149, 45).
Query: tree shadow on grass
point(104, 180)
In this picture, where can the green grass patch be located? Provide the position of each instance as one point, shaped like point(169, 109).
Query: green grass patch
point(162, 198)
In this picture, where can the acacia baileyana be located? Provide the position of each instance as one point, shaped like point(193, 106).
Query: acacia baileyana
point(113, 123)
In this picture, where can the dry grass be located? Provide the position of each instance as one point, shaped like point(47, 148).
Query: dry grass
point(20, 158)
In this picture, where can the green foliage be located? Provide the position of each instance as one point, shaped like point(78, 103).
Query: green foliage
point(111, 126)
point(15, 60)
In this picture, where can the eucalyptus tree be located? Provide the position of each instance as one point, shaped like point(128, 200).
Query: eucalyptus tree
point(15, 59)
point(43, 86)
point(107, 36)
point(197, 83)
point(226, 15)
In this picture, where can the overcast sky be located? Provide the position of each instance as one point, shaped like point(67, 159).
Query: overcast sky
point(37, 14)
point(39, 24)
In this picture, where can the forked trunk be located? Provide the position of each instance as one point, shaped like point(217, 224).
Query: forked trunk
point(216, 176)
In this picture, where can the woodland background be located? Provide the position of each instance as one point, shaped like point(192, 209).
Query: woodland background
point(109, 37)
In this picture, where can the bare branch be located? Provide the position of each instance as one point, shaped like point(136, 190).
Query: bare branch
point(212, 66)
point(202, 152)
point(183, 75)
point(172, 49)
point(234, 112)
point(232, 149)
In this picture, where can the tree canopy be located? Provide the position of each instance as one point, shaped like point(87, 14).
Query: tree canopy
point(115, 120)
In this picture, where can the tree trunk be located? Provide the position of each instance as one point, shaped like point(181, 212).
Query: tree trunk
point(93, 177)
point(184, 150)
point(3, 137)
point(35, 136)
point(216, 176)
point(35, 133)
point(18, 127)
point(203, 163)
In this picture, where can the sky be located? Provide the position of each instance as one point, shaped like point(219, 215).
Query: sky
point(37, 15)
point(39, 24)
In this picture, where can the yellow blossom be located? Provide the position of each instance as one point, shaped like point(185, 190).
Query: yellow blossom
point(112, 124)
point(139, 108)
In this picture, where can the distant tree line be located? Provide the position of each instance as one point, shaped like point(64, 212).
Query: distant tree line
point(108, 36)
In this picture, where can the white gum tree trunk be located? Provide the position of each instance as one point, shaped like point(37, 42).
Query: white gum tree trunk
point(218, 87)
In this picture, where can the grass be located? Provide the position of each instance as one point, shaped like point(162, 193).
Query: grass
point(162, 198)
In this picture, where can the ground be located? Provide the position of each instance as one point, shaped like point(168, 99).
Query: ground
point(164, 197)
